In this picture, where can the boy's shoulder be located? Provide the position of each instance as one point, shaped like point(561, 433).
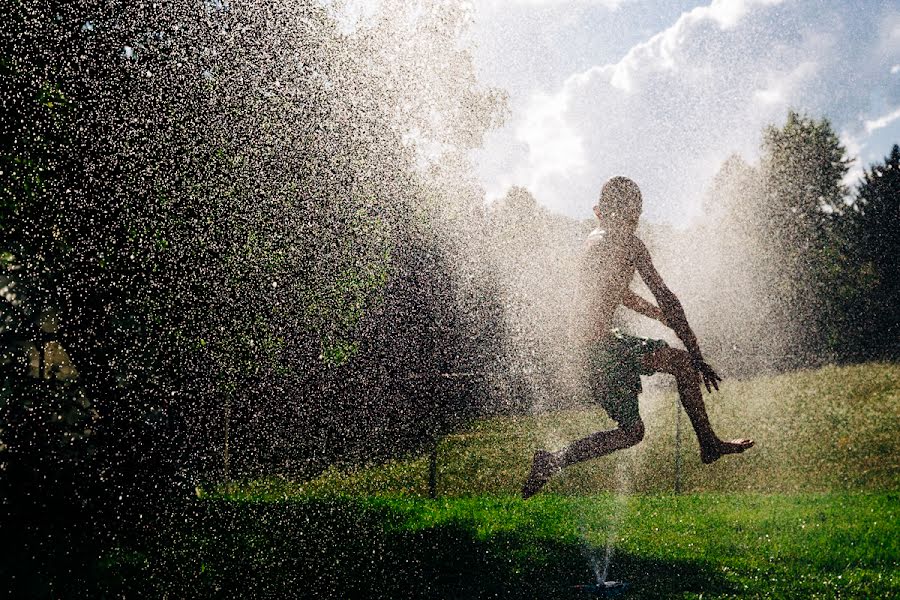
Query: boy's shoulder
point(596, 236)
point(638, 247)
point(600, 237)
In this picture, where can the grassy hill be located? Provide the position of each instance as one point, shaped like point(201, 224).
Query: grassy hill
point(812, 512)
point(831, 429)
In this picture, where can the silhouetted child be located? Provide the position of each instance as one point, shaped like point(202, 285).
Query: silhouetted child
point(615, 361)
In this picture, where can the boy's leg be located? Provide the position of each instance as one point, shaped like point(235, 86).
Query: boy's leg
point(678, 363)
point(600, 444)
point(545, 464)
point(614, 381)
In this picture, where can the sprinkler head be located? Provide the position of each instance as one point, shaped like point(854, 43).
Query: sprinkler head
point(606, 589)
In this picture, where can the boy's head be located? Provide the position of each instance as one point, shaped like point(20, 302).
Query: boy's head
point(619, 205)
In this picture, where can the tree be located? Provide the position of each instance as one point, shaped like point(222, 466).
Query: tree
point(533, 254)
point(217, 211)
point(872, 328)
point(725, 285)
point(803, 167)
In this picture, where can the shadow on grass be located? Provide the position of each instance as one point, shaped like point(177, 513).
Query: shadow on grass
point(340, 549)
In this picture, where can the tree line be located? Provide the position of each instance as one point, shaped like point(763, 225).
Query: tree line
point(789, 267)
point(786, 267)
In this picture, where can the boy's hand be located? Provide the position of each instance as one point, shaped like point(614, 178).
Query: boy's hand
point(708, 375)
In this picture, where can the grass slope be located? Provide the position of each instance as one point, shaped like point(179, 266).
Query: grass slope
point(832, 429)
point(811, 512)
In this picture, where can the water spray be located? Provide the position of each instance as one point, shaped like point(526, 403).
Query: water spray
point(607, 589)
point(604, 587)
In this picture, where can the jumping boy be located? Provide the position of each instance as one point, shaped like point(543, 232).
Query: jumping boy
point(614, 361)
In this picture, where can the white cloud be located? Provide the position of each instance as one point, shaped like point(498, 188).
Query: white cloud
point(663, 49)
point(555, 147)
point(678, 104)
point(610, 4)
point(780, 87)
point(630, 117)
point(895, 69)
point(548, 145)
point(727, 13)
point(882, 121)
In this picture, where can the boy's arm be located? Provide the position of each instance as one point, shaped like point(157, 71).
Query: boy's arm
point(643, 307)
point(673, 312)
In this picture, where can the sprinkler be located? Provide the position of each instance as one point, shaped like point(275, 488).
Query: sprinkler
point(606, 589)
point(603, 587)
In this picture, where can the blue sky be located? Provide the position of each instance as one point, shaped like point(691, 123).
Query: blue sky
point(666, 91)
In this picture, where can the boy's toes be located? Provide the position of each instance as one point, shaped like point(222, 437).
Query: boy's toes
point(737, 446)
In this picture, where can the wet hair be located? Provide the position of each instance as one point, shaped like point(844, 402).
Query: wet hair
point(620, 195)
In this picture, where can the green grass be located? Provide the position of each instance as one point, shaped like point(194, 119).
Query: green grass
point(833, 429)
point(703, 545)
point(812, 512)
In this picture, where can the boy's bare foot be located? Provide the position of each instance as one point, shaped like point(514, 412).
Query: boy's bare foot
point(712, 453)
point(543, 466)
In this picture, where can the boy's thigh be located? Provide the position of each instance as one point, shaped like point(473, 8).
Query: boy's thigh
point(616, 366)
point(666, 360)
point(619, 402)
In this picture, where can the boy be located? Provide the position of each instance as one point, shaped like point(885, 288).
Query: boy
point(615, 361)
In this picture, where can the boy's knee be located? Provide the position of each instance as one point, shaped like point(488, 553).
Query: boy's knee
point(635, 432)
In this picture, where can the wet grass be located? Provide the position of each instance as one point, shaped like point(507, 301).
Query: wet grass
point(831, 429)
point(703, 545)
point(812, 512)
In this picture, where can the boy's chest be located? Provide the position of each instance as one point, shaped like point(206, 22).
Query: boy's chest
point(610, 271)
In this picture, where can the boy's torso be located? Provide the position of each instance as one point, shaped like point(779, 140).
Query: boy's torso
point(607, 268)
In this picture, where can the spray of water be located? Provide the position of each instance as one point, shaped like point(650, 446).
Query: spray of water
point(262, 231)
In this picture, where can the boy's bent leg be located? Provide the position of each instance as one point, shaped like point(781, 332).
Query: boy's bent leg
point(600, 443)
point(546, 464)
point(678, 363)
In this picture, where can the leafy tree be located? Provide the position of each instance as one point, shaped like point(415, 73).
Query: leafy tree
point(727, 289)
point(534, 254)
point(774, 243)
point(214, 211)
point(803, 167)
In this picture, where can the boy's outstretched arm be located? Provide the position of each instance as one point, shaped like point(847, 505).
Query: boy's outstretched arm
point(643, 307)
point(673, 313)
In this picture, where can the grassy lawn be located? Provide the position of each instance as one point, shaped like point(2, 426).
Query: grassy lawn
point(699, 545)
point(812, 512)
point(832, 429)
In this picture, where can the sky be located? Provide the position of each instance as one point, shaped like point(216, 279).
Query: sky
point(664, 92)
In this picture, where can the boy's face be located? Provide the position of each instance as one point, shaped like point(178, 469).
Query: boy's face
point(621, 219)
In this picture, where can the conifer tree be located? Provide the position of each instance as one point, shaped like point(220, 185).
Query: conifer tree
point(873, 235)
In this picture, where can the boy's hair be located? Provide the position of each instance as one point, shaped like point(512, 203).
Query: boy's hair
point(620, 194)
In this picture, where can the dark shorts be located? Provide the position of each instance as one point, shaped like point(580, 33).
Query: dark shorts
point(615, 366)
